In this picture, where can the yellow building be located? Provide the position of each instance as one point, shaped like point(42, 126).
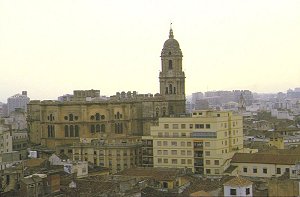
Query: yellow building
point(203, 143)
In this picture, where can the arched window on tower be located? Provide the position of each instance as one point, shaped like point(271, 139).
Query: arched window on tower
point(170, 65)
point(174, 90)
point(157, 112)
point(164, 111)
point(170, 88)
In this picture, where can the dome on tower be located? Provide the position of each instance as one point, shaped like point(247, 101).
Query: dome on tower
point(171, 42)
point(171, 46)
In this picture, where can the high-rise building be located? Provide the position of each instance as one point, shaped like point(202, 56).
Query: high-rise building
point(18, 101)
point(203, 143)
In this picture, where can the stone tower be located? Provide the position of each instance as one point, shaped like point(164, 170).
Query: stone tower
point(171, 77)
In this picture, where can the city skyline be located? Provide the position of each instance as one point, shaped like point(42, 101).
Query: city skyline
point(51, 48)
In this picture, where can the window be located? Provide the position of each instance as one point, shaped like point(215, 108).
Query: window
point(207, 171)
point(183, 126)
point(233, 192)
point(278, 171)
point(97, 128)
point(189, 144)
point(245, 169)
point(66, 131)
point(165, 152)
point(174, 152)
point(189, 152)
point(182, 152)
point(174, 161)
point(287, 170)
point(189, 161)
point(159, 160)
point(247, 191)
point(159, 134)
point(103, 128)
point(165, 143)
point(207, 126)
point(175, 135)
point(92, 128)
point(76, 131)
point(165, 160)
point(207, 162)
point(182, 143)
point(159, 152)
point(217, 171)
point(217, 162)
point(265, 170)
point(158, 143)
point(70, 117)
point(97, 116)
point(66, 117)
point(183, 134)
point(254, 170)
point(182, 161)
point(175, 126)
point(166, 134)
point(170, 65)
point(174, 143)
point(207, 153)
point(191, 126)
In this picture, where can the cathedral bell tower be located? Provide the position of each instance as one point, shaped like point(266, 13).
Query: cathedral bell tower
point(171, 77)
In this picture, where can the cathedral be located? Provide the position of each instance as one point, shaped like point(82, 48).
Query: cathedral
point(118, 121)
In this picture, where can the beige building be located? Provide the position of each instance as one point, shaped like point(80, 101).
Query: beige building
point(115, 154)
point(203, 143)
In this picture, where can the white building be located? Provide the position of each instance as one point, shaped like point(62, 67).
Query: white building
point(238, 186)
point(18, 101)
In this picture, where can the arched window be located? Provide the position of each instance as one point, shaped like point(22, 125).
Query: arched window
point(167, 91)
point(97, 128)
point(170, 88)
point(103, 128)
point(71, 131)
point(76, 131)
point(92, 128)
point(174, 90)
point(70, 117)
point(164, 111)
point(170, 65)
point(66, 131)
point(157, 112)
point(97, 116)
point(118, 115)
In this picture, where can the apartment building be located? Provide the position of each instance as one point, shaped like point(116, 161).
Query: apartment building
point(115, 154)
point(202, 143)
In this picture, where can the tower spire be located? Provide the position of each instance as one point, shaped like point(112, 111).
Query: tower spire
point(171, 32)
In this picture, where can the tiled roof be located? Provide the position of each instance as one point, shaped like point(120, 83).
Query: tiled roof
point(265, 158)
point(162, 174)
point(238, 182)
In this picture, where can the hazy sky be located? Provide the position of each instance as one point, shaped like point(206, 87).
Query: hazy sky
point(52, 47)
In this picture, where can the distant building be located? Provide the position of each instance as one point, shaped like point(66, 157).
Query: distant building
point(18, 101)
